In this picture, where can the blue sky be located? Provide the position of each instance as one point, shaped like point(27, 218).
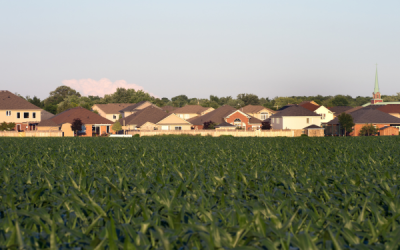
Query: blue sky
point(202, 48)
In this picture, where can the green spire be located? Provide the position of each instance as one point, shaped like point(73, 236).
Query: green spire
point(376, 90)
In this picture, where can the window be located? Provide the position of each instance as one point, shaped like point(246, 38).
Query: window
point(108, 129)
point(26, 115)
point(34, 115)
point(164, 127)
point(178, 128)
point(181, 116)
point(8, 113)
point(273, 119)
point(18, 115)
point(114, 117)
point(323, 116)
point(264, 115)
point(308, 120)
point(277, 120)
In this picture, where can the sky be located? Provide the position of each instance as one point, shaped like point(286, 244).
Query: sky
point(201, 48)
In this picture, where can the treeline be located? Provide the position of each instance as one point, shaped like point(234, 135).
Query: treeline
point(63, 98)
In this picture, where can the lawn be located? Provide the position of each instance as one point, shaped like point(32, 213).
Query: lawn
point(200, 193)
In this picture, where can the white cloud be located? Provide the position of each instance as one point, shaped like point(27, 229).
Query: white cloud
point(99, 88)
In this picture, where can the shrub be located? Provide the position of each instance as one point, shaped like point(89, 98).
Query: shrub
point(368, 130)
point(209, 125)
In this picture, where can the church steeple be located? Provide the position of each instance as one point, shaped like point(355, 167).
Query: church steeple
point(376, 96)
point(376, 90)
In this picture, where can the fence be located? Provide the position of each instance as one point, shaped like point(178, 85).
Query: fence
point(217, 133)
point(36, 133)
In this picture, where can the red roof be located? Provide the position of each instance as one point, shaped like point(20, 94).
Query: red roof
point(309, 106)
point(86, 116)
point(390, 108)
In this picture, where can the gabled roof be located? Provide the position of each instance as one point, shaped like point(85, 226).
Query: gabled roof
point(44, 115)
point(254, 120)
point(390, 108)
point(294, 110)
point(134, 107)
point(86, 116)
point(10, 101)
point(309, 106)
point(216, 115)
point(366, 115)
point(191, 109)
point(169, 109)
point(313, 127)
point(150, 114)
point(48, 123)
point(339, 109)
point(113, 108)
point(255, 108)
point(224, 124)
point(286, 106)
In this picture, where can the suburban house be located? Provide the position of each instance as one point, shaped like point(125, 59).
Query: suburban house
point(294, 117)
point(24, 114)
point(45, 115)
point(365, 116)
point(258, 111)
point(92, 122)
point(125, 112)
point(229, 115)
point(391, 109)
point(152, 118)
point(326, 114)
point(110, 111)
point(190, 111)
point(339, 109)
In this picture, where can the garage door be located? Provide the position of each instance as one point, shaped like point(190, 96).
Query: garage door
point(164, 127)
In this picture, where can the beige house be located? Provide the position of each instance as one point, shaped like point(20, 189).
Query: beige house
point(295, 117)
point(24, 114)
point(110, 111)
point(131, 109)
point(326, 114)
point(146, 117)
point(258, 111)
point(173, 122)
point(190, 111)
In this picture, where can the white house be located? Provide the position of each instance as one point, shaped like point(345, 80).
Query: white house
point(295, 117)
point(326, 114)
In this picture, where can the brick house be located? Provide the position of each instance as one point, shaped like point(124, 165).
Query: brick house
point(366, 116)
point(24, 114)
point(258, 111)
point(229, 115)
point(93, 124)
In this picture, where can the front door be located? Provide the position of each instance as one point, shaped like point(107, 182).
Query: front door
point(19, 127)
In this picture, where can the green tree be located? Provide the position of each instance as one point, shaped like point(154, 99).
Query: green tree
point(7, 126)
point(116, 126)
point(59, 94)
point(35, 101)
point(340, 101)
point(368, 130)
point(140, 96)
point(346, 122)
point(249, 99)
point(180, 100)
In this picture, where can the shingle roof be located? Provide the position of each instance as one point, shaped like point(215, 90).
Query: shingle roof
point(133, 107)
point(390, 108)
point(224, 124)
point(253, 120)
point(339, 109)
point(294, 110)
point(216, 115)
point(48, 123)
point(353, 109)
point(113, 108)
point(150, 114)
point(255, 109)
point(309, 106)
point(286, 106)
point(10, 101)
point(191, 109)
point(168, 108)
point(86, 116)
point(366, 115)
point(44, 115)
point(313, 127)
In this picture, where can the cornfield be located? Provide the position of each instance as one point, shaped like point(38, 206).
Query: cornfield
point(200, 193)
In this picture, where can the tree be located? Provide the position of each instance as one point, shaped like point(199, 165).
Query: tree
point(249, 99)
point(340, 100)
point(117, 126)
point(7, 126)
point(76, 125)
point(180, 100)
point(265, 125)
point(35, 101)
point(346, 122)
point(368, 130)
point(209, 125)
point(59, 94)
